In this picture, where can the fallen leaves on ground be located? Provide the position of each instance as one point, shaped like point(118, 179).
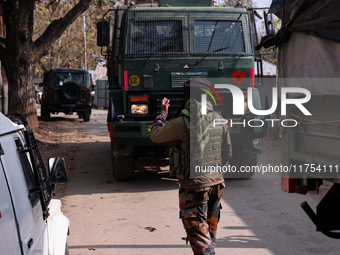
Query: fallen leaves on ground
point(151, 229)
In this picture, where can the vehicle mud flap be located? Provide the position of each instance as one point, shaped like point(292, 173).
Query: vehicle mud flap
point(123, 162)
point(86, 117)
point(326, 218)
point(243, 155)
point(45, 114)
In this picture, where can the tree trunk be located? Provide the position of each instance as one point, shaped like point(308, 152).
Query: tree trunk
point(18, 60)
point(21, 93)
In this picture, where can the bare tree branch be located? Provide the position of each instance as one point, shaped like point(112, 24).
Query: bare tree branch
point(44, 68)
point(57, 27)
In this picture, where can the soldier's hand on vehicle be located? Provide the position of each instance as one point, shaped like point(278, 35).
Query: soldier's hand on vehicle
point(165, 105)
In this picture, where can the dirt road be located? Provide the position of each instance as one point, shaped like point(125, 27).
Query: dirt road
point(141, 217)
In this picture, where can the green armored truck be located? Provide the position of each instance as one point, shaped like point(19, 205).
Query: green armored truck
point(153, 49)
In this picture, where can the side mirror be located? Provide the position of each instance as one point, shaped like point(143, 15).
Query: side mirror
point(269, 23)
point(103, 33)
point(57, 169)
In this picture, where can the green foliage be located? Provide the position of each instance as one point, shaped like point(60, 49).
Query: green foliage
point(248, 3)
point(70, 46)
point(271, 54)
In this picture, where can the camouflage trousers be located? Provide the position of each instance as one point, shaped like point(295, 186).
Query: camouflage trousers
point(200, 214)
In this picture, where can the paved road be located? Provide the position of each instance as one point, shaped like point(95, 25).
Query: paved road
point(116, 218)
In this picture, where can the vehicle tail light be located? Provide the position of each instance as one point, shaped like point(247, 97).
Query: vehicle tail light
point(111, 131)
point(88, 95)
point(139, 109)
point(139, 99)
point(49, 94)
point(126, 81)
point(251, 77)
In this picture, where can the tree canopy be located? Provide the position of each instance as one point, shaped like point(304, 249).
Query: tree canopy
point(41, 34)
point(77, 45)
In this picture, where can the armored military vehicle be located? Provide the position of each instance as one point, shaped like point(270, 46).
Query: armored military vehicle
point(152, 49)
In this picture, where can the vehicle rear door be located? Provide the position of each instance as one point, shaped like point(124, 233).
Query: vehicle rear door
point(25, 195)
point(9, 237)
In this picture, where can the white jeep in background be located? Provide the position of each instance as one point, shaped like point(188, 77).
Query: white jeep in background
point(31, 222)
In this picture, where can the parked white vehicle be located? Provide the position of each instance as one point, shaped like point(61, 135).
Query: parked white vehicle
point(31, 222)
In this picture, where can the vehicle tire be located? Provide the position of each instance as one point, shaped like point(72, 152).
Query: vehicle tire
point(70, 91)
point(243, 155)
point(80, 115)
point(123, 167)
point(86, 117)
point(45, 113)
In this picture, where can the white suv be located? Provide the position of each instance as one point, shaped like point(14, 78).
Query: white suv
point(31, 222)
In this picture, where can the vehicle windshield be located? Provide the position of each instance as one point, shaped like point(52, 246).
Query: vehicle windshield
point(157, 36)
point(63, 77)
point(218, 36)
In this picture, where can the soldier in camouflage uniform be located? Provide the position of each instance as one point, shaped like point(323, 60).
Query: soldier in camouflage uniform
point(199, 196)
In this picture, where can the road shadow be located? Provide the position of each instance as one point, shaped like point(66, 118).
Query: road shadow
point(87, 151)
point(131, 246)
point(90, 173)
point(55, 118)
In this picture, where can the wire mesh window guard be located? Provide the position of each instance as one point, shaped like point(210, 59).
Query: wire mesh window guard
point(188, 32)
point(218, 36)
point(159, 36)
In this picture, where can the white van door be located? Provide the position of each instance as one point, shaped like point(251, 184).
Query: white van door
point(9, 236)
point(27, 206)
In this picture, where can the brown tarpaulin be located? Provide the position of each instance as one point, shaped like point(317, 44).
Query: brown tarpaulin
point(320, 18)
